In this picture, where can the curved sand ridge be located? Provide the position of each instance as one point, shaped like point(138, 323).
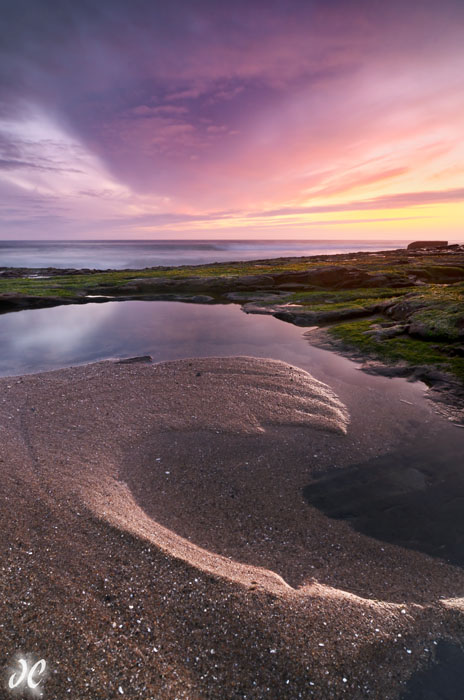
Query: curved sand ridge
point(207, 460)
point(119, 420)
point(207, 400)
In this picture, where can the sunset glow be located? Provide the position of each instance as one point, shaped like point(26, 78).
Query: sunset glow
point(338, 119)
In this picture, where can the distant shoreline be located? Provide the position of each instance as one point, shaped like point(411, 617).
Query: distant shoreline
point(133, 255)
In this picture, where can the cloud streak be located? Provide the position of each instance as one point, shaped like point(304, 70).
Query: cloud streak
point(393, 201)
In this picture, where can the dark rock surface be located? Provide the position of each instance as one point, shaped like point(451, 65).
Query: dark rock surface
point(427, 244)
point(15, 301)
point(135, 360)
point(443, 680)
point(408, 498)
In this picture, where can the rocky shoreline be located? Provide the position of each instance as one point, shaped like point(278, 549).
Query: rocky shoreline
point(444, 390)
point(401, 310)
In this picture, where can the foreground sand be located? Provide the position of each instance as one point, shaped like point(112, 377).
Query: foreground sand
point(156, 543)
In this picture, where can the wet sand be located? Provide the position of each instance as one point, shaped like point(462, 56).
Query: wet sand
point(157, 542)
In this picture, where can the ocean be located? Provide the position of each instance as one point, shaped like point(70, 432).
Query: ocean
point(127, 254)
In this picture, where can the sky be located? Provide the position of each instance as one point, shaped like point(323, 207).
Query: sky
point(337, 119)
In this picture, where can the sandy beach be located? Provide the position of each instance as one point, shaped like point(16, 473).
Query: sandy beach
point(231, 350)
point(157, 544)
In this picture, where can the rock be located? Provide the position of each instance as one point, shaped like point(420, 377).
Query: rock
point(450, 350)
point(250, 281)
point(439, 327)
point(402, 309)
point(416, 245)
point(313, 318)
point(334, 276)
point(198, 299)
point(417, 329)
point(379, 332)
point(220, 285)
point(337, 277)
point(134, 360)
point(242, 297)
point(252, 308)
point(11, 301)
point(439, 273)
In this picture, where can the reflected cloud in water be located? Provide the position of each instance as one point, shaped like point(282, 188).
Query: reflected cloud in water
point(49, 338)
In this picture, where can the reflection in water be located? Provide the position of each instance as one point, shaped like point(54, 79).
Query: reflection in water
point(33, 340)
point(406, 484)
point(42, 339)
point(45, 339)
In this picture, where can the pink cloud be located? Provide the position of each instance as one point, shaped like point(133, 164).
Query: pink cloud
point(394, 201)
point(251, 107)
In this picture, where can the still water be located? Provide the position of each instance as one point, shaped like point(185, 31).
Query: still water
point(43, 339)
point(407, 485)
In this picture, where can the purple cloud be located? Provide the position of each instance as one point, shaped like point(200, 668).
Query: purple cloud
point(211, 106)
